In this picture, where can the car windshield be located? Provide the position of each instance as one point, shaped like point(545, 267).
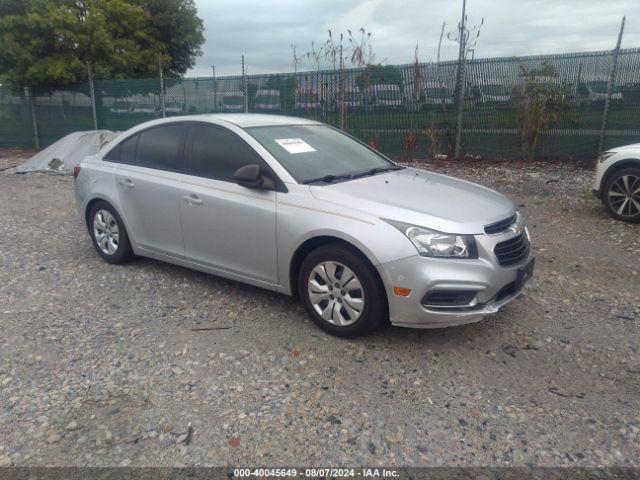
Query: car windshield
point(436, 92)
point(268, 98)
point(352, 96)
point(232, 100)
point(494, 89)
point(313, 152)
point(601, 87)
point(388, 94)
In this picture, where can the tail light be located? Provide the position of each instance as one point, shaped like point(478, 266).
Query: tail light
point(76, 171)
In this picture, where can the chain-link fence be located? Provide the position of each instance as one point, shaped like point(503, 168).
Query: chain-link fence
point(543, 106)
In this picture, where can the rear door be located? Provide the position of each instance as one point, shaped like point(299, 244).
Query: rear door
point(147, 179)
point(225, 226)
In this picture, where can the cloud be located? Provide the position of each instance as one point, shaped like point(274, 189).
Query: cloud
point(264, 31)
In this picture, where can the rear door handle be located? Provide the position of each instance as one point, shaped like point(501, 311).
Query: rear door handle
point(127, 183)
point(193, 199)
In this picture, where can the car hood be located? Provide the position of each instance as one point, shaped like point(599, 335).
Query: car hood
point(633, 146)
point(421, 198)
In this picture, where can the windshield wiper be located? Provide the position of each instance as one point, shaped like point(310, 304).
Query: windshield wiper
point(350, 176)
point(373, 171)
point(327, 179)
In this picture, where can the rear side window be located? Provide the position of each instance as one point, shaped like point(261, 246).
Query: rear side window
point(160, 147)
point(125, 152)
point(217, 153)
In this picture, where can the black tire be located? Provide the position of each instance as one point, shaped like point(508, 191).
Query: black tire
point(123, 253)
point(612, 204)
point(375, 310)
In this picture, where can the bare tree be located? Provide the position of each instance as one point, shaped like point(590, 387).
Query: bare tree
point(316, 54)
point(466, 37)
point(297, 60)
point(361, 50)
point(333, 47)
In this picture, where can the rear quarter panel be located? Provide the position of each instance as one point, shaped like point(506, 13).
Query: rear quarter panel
point(95, 181)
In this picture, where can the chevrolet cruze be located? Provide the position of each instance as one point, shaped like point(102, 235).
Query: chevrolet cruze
point(298, 207)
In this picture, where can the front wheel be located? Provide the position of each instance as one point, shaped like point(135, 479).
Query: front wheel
point(341, 291)
point(622, 195)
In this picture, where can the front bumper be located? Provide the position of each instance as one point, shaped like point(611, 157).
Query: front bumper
point(495, 286)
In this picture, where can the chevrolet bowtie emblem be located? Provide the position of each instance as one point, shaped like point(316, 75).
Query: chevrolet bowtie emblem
point(516, 228)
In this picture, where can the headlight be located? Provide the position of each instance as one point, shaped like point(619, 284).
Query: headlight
point(431, 243)
point(606, 155)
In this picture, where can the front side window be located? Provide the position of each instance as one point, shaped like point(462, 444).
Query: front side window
point(310, 152)
point(159, 147)
point(217, 153)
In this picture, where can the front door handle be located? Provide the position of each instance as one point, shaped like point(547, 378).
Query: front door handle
point(193, 199)
point(127, 183)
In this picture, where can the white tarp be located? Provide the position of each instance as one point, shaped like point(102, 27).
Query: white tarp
point(66, 153)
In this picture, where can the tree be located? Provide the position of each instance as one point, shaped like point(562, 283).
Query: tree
point(540, 104)
point(47, 43)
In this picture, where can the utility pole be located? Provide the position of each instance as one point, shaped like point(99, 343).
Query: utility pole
point(461, 59)
point(610, 82)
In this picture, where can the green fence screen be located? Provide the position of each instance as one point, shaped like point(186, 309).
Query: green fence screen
point(408, 110)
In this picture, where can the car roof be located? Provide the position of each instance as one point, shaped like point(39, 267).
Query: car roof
point(242, 120)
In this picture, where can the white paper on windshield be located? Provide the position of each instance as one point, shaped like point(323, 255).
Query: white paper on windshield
point(295, 145)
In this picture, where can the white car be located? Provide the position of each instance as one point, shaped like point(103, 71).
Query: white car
point(617, 182)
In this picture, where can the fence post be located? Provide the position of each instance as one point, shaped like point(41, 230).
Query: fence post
point(92, 93)
point(162, 105)
point(213, 67)
point(341, 90)
point(461, 82)
point(34, 121)
point(607, 100)
point(245, 94)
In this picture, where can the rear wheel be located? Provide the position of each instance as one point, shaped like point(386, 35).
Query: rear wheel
point(622, 195)
point(108, 233)
point(341, 291)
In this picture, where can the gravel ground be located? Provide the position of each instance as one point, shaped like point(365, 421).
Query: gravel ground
point(103, 365)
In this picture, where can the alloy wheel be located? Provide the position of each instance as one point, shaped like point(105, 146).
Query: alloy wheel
point(624, 196)
point(336, 293)
point(105, 231)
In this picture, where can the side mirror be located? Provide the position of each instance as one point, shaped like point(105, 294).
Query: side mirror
point(250, 176)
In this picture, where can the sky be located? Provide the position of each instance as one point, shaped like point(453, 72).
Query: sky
point(265, 30)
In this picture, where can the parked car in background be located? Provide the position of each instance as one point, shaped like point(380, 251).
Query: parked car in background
point(351, 98)
point(232, 101)
point(596, 92)
point(617, 182)
point(296, 206)
point(121, 107)
point(308, 99)
point(434, 94)
point(268, 100)
point(383, 96)
point(490, 92)
point(174, 108)
point(144, 106)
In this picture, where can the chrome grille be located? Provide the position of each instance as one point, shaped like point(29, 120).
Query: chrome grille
point(501, 226)
point(512, 251)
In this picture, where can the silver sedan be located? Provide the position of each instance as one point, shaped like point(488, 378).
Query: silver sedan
point(298, 207)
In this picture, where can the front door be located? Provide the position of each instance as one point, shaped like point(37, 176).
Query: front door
point(225, 226)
